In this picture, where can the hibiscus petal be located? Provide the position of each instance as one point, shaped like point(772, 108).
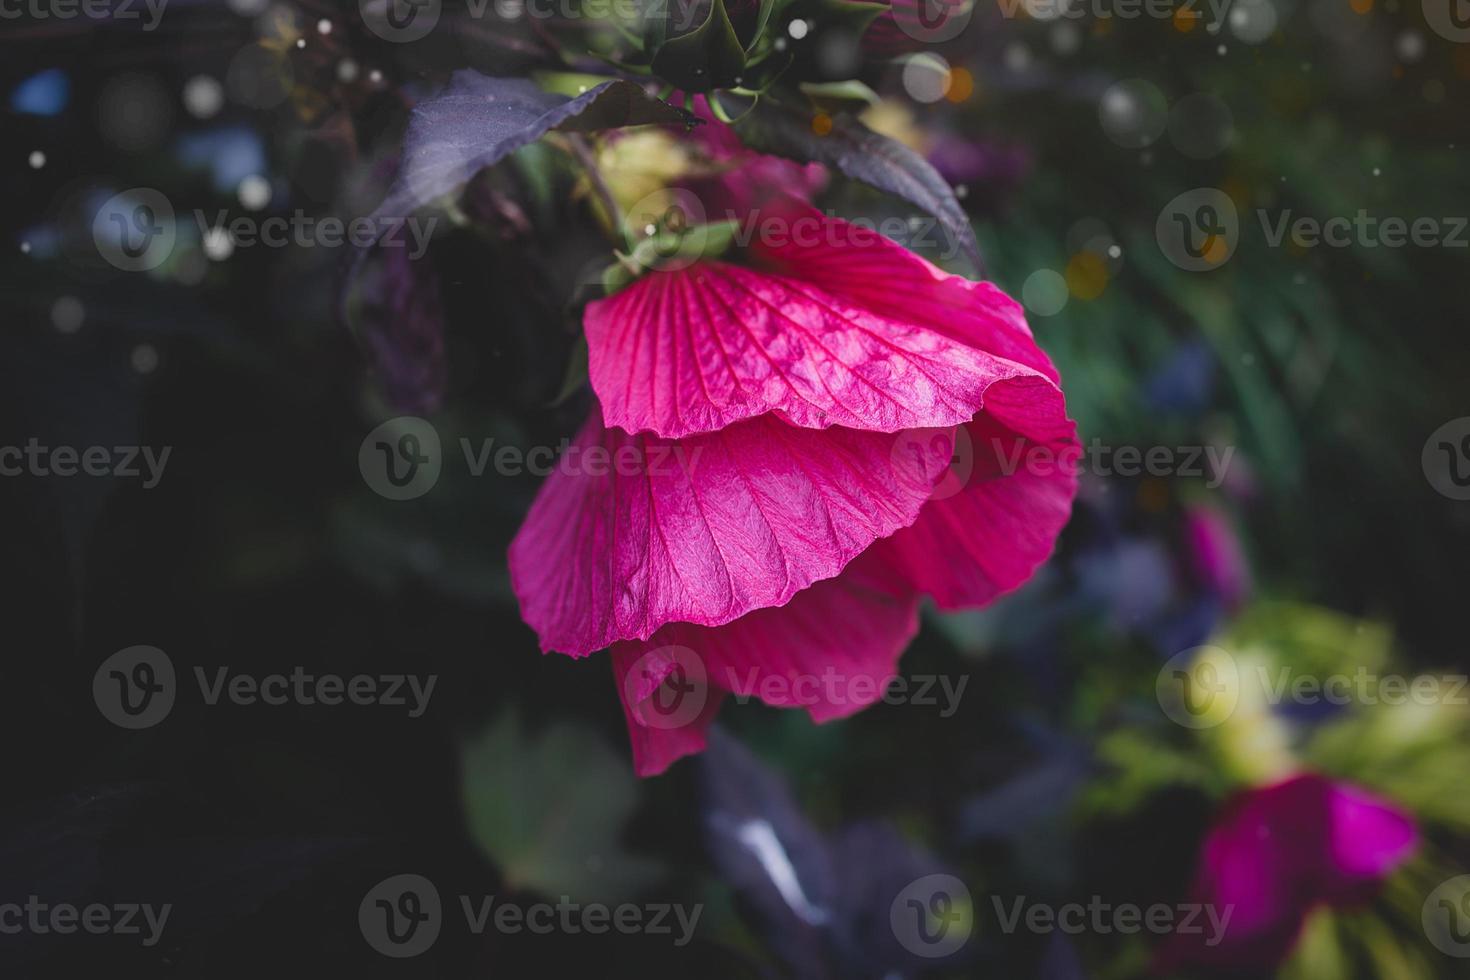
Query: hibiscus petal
point(832, 650)
point(693, 350)
point(995, 517)
point(705, 529)
point(867, 269)
point(667, 704)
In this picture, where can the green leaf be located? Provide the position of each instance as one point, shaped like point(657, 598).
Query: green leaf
point(762, 19)
point(656, 25)
point(666, 246)
point(708, 57)
point(766, 69)
point(835, 97)
point(577, 372)
point(855, 16)
point(549, 809)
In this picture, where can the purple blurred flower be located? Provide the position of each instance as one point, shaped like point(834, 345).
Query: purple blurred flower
point(961, 160)
point(1184, 383)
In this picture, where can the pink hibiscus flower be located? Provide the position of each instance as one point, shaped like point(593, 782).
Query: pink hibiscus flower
point(765, 489)
point(1277, 852)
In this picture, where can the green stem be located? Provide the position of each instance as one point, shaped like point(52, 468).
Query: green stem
point(583, 153)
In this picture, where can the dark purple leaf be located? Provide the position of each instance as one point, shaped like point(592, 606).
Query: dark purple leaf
point(477, 121)
point(404, 333)
point(765, 847)
point(863, 155)
point(825, 901)
point(875, 864)
point(1047, 785)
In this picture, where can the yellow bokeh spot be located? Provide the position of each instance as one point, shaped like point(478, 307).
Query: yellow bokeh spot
point(961, 85)
point(1216, 249)
point(1185, 19)
point(821, 124)
point(1087, 275)
point(896, 120)
point(1252, 741)
point(1361, 6)
point(1237, 191)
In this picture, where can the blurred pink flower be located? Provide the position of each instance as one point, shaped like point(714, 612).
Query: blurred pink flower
point(966, 160)
point(1279, 851)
